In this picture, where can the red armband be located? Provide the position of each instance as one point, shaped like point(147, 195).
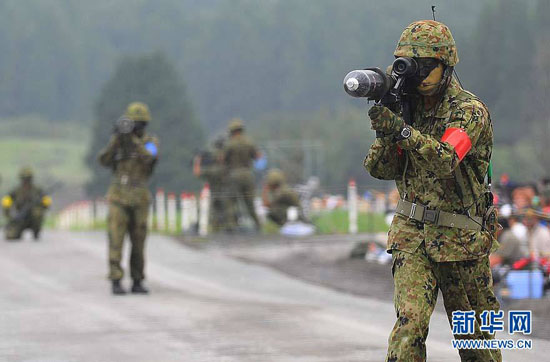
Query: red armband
point(458, 138)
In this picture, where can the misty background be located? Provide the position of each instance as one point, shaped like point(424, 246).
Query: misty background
point(68, 68)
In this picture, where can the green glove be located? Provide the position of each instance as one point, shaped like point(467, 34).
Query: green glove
point(384, 120)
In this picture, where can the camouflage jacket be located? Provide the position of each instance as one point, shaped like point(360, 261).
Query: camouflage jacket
point(283, 197)
point(215, 174)
point(132, 165)
point(430, 176)
point(239, 153)
point(280, 200)
point(24, 196)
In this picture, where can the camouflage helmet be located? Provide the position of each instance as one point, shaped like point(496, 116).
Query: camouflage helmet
point(428, 39)
point(236, 124)
point(138, 111)
point(275, 177)
point(26, 172)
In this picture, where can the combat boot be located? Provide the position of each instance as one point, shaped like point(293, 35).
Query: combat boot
point(117, 288)
point(138, 288)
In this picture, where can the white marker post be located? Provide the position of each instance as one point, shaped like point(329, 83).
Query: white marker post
point(62, 223)
point(82, 215)
point(204, 210)
point(88, 214)
point(171, 207)
point(380, 205)
point(193, 210)
point(352, 207)
point(161, 210)
point(74, 215)
point(184, 207)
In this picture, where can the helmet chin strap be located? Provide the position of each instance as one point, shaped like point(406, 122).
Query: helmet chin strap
point(446, 79)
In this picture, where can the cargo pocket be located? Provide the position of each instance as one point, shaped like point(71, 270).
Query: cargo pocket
point(475, 243)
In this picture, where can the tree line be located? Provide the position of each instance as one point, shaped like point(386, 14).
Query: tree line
point(242, 58)
point(278, 64)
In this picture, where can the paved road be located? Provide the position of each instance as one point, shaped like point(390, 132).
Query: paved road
point(55, 306)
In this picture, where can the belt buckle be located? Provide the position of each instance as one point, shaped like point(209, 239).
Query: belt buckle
point(413, 210)
point(431, 216)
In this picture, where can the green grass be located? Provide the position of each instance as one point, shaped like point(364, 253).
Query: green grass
point(37, 128)
point(336, 222)
point(51, 160)
point(270, 228)
point(55, 150)
point(330, 222)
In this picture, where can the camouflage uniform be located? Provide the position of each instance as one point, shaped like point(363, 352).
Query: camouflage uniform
point(24, 208)
point(280, 197)
point(132, 162)
point(221, 215)
point(239, 155)
point(428, 256)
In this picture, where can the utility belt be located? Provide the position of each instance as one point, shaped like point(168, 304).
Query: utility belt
point(425, 215)
point(125, 180)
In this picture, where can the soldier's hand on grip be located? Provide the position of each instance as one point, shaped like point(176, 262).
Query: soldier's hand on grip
point(136, 141)
point(384, 120)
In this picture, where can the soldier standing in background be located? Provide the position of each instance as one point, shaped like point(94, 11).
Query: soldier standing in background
point(25, 206)
point(439, 237)
point(209, 165)
point(132, 155)
point(239, 155)
point(278, 197)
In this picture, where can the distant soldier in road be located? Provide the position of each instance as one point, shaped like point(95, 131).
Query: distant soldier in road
point(25, 207)
point(239, 156)
point(209, 165)
point(444, 226)
point(132, 155)
point(278, 197)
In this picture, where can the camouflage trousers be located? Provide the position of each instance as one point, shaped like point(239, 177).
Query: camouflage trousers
point(14, 228)
point(242, 188)
point(465, 285)
point(124, 220)
point(222, 215)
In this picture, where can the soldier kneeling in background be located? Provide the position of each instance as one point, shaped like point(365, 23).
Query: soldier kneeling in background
point(278, 197)
point(24, 207)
